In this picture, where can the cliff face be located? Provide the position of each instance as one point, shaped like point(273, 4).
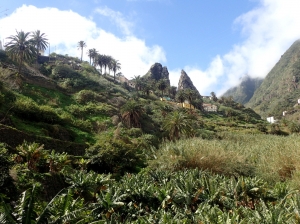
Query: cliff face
point(185, 82)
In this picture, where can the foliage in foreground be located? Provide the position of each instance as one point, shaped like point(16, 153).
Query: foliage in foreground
point(189, 196)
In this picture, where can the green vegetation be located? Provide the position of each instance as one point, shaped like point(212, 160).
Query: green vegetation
point(80, 146)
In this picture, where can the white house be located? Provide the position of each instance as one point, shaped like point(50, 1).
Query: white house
point(210, 107)
point(271, 120)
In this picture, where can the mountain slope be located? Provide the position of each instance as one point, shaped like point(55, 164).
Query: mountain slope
point(245, 90)
point(280, 89)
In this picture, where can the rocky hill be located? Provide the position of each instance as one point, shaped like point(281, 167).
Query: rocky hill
point(280, 89)
point(185, 82)
point(245, 90)
point(157, 72)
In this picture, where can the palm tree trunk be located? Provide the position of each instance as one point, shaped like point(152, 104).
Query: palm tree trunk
point(81, 53)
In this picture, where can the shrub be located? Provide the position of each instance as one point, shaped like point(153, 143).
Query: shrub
point(114, 156)
point(85, 96)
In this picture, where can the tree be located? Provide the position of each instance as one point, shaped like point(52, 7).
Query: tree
point(190, 95)
point(181, 96)
point(81, 45)
point(92, 53)
point(99, 60)
point(116, 65)
point(106, 60)
point(177, 124)
point(39, 41)
point(20, 48)
point(138, 82)
point(172, 91)
point(162, 85)
point(213, 96)
point(131, 113)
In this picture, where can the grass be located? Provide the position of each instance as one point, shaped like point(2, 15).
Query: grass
point(272, 158)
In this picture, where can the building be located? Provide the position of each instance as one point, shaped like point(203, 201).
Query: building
point(271, 120)
point(1, 48)
point(210, 107)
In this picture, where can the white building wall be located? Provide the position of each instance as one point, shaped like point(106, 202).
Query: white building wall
point(271, 120)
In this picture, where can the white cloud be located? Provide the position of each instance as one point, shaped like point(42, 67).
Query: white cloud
point(65, 28)
point(268, 32)
point(117, 18)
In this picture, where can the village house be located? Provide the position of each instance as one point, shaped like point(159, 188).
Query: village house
point(271, 120)
point(210, 107)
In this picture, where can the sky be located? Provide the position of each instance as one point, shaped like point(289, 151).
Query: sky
point(215, 41)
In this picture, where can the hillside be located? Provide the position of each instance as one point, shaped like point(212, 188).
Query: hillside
point(280, 89)
point(245, 90)
point(115, 151)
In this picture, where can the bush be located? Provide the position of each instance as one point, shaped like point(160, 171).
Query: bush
point(114, 156)
point(64, 72)
point(85, 96)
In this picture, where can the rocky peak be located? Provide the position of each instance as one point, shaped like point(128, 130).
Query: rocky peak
point(186, 83)
point(157, 72)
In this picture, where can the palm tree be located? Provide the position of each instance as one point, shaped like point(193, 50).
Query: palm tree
point(99, 60)
point(138, 82)
point(162, 85)
point(190, 94)
point(131, 113)
point(106, 60)
point(116, 65)
point(92, 53)
point(177, 124)
point(181, 96)
point(39, 41)
point(81, 45)
point(20, 48)
point(172, 91)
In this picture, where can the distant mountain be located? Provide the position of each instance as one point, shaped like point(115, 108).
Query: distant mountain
point(245, 90)
point(280, 89)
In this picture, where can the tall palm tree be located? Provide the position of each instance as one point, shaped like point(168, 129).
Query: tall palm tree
point(20, 48)
point(190, 94)
point(181, 96)
point(162, 85)
point(99, 60)
point(116, 65)
point(177, 124)
point(92, 53)
point(81, 45)
point(106, 59)
point(172, 91)
point(138, 82)
point(39, 41)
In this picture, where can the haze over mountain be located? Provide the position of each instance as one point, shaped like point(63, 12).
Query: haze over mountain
point(245, 90)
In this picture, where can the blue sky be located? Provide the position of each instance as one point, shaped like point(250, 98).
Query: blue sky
point(215, 41)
